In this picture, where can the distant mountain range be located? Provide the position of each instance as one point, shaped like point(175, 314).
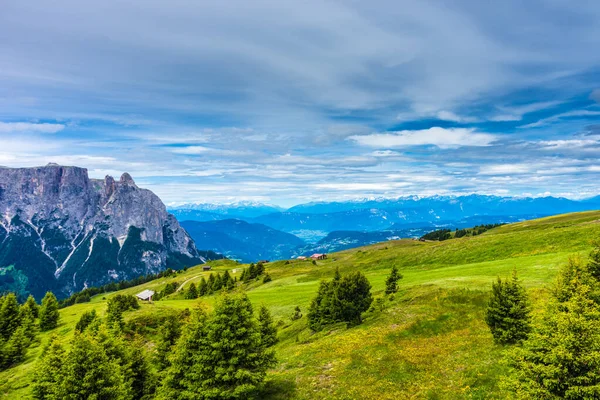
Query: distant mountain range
point(334, 226)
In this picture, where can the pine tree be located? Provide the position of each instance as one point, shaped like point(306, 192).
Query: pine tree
point(47, 373)
point(15, 348)
point(594, 260)
point(202, 287)
point(354, 297)
point(191, 292)
point(268, 330)
point(251, 272)
point(10, 316)
point(227, 280)
point(30, 329)
point(217, 284)
point(49, 314)
point(88, 372)
point(221, 357)
point(85, 320)
point(508, 312)
point(561, 358)
point(210, 284)
point(168, 335)
point(259, 269)
point(31, 306)
point(391, 284)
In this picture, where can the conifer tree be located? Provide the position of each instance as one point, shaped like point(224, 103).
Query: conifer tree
point(221, 357)
point(391, 284)
point(191, 292)
point(268, 330)
point(168, 335)
point(10, 316)
point(31, 307)
point(251, 272)
point(88, 373)
point(85, 320)
point(30, 329)
point(15, 348)
point(227, 281)
point(202, 287)
point(49, 314)
point(561, 358)
point(594, 260)
point(47, 373)
point(354, 297)
point(259, 269)
point(508, 312)
point(218, 283)
point(210, 284)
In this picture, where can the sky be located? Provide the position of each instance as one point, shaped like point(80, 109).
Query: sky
point(286, 102)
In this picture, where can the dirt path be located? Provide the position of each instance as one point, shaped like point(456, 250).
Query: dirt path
point(186, 281)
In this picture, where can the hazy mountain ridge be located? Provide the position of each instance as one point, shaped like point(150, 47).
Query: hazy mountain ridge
point(243, 241)
point(64, 231)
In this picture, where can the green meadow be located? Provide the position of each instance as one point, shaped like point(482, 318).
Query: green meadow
point(428, 342)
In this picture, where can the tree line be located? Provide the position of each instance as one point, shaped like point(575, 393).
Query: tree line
point(220, 355)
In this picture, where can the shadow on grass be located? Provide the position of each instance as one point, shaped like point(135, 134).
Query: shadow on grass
point(278, 387)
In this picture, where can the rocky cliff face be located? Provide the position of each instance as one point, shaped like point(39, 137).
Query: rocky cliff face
point(62, 231)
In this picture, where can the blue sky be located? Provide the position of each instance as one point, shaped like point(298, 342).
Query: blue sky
point(287, 102)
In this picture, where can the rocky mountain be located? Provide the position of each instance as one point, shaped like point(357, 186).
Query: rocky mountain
point(62, 231)
point(243, 241)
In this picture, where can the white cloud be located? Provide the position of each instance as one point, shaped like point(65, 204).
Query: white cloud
point(557, 117)
point(504, 169)
point(28, 127)
point(450, 116)
point(441, 137)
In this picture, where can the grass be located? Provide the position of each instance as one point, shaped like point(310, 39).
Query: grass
point(429, 342)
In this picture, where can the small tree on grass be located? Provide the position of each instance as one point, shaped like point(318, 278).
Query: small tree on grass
point(49, 314)
point(85, 320)
point(268, 330)
point(391, 283)
point(10, 316)
point(594, 260)
point(508, 312)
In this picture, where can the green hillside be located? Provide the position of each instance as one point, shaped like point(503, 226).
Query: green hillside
point(429, 342)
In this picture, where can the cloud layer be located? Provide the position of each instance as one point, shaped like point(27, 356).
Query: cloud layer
point(294, 101)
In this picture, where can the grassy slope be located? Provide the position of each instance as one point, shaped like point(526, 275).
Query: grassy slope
point(429, 342)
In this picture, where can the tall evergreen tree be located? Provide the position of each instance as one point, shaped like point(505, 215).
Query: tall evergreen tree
point(191, 293)
point(10, 316)
point(259, 269)
point(168, 335)
point(210, 283)
point(227, 280)
point(354, 297)
point(391, 283)
point(268, 330)
point(222, 357)
point(85, 320)
point(202, 287)
point(47, 373)
point(594, 261)
point(88, 373)
point(561, 358)
point(508, 312)
point(251, 274)
point(218, 283)
point(31, 307)
point(49, 314)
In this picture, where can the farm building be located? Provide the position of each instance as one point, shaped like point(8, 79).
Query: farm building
point(319, 256)
point(206, 268)
point(146, 295)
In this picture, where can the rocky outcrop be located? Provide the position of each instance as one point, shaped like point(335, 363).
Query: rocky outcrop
point(62, 231)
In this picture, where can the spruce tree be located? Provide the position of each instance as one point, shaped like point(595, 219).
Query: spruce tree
point(85, 320)
point(169, 333)
point(31, 307)
point(251, 272)
point(561, 358)
point(508, 311)
point(227, 281)
point(191, 293)
point(391, 283)
point(15, 348)
point(47, 373)
point(88, 373)
point(594, 261)
point(202, 287)
point(259, 269)
point(10, 316)
point(268, 330)
point(49, 314)
point(354, 297)
point(210, 284)
point(221, 357)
